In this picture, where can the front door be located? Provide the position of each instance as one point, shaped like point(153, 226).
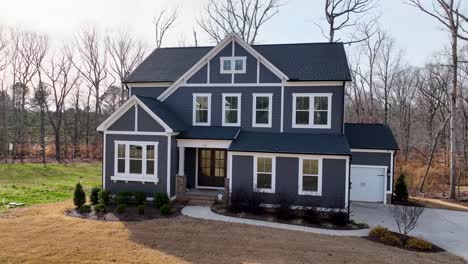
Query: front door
point(211, 167)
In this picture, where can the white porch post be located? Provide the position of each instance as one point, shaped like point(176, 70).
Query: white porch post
point(181, 161)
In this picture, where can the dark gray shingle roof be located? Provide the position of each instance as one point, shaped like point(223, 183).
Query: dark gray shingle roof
point(370, 136)
point(300, 62)
point(220, 133)
point(158, 108)
point(296, 143)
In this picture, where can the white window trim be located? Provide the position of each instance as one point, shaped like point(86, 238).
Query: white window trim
point(194, 108)
point(273, 174)
point(254, 109)
point(311, 110)
point(127, 176)
point(232, 59)
point(239, 103)
point(319, 181)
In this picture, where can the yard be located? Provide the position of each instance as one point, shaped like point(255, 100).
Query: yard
point(32, 183)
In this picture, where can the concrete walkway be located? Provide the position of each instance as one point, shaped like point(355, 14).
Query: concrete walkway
point(447, 229)
point(206, 213)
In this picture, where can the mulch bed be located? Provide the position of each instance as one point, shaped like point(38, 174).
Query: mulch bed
point(268, 216)
point(435, 248)
point(130, 214)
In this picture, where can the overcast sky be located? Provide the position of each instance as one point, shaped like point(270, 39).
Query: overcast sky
point(418, 34)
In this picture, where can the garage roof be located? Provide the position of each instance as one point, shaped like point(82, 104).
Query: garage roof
point(370, 136)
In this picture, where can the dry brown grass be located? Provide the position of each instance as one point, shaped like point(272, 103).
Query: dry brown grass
point(42, 234)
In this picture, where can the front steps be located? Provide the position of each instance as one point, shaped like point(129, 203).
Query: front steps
point(202, 197)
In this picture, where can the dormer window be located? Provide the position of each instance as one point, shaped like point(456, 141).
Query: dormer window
point(231, 65)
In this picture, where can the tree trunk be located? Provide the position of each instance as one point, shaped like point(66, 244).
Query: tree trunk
point(453, 109)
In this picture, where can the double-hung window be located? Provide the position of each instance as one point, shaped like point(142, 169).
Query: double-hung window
point(262, 109)
point(231, 109)
point(264, 174)
point(231, 65)
point(136, 161)
point(310, 176)
point(201, 109)
point(311, 110)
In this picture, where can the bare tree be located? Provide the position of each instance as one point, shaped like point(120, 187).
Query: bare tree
point(344, 14)
point(163, 22)
point(126, 54)
point(406, 217)
point(3, 49)
point(243, 17)
point(446, 13)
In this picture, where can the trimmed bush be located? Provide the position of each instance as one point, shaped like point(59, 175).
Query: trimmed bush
point(165, 209)
point(141, 209)
point(100, 208)
point(94, 196)
point(103, 197)
point(121, 208)
point(160, 199)
point(312, 215)
point(79, 196)
point(140, 197)
point(84, 209)
point(390, 239)
point(124, 197)
point(401, 189)
point(378, 231)
point(416, 243)
point(338, 218)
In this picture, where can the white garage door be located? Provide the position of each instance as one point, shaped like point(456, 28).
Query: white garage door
point(367, 184)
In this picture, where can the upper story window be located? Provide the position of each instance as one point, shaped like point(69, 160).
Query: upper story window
point(201, 109)
point(233, 64)
point(262, 109)
point(310, 176)
point(264, 174)
point(231, 109)
point(135, 161)
point(311, 111)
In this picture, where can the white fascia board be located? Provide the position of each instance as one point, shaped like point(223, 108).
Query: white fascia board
point(150, 84)
point(203, 143)
point(373, 150)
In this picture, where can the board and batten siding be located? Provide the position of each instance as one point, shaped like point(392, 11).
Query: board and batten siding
point(287, 181)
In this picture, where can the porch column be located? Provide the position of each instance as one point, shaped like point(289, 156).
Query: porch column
point(181, 161)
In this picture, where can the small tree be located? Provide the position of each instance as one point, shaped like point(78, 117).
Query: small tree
point(401, 189)
point(79, 197)
point(94, 197)
point(103, 197)
point(406, 217)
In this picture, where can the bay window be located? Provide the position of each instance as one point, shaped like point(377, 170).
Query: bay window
point(136, 161)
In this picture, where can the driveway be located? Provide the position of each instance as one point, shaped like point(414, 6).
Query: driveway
point(447, 229)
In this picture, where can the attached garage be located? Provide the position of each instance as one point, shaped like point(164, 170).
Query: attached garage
point(368, 183)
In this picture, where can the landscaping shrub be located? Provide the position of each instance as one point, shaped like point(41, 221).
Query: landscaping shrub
point(416, 243)
point(401, 189)
point(100, 208)
point(84, 209)
point(312, 215)
point(253, 202)
point(103, 197)
point(284, 202)
point(378, 231)
point(120, 209)
point(338, 218)
point(79, 196)
point(160, 199)
point(140, 197)
point(94, 196)
point(237, 202)
point(124, 197)
point(141, 209)
point(390, 239)
point(165, 209)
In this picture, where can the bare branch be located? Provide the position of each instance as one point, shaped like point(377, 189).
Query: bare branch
point(162, 23)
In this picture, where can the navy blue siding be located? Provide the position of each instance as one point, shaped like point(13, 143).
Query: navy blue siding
point(174, 164)
point(153, 92)
point(126, 122)
point(251, 67)
point(147, 123)
point(215, 75)
point(190, 166)
point(287, 181)
point(200, 76)
point(337, 108)
point(267, 76)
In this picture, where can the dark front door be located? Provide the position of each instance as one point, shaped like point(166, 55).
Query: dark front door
point(211, 167)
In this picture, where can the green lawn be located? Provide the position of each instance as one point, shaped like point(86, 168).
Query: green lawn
point(32, 183)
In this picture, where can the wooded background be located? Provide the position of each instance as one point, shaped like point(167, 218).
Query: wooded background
point(52, 99)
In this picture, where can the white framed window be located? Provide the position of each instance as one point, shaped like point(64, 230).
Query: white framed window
point(262, 109)
point(229, 65)
point(201, 109)
point(136, 161)
point(264, 174)
point(231, 109)
point(310, 176)
point(311, 110)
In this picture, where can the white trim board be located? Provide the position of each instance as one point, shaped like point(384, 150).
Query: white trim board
point(373, 150)
point(203, 143)
point(150, 84)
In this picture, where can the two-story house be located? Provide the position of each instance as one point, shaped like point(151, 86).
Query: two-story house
point(258, 118)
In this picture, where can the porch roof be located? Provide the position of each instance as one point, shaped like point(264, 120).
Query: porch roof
point(295, 143)
point(210, 132)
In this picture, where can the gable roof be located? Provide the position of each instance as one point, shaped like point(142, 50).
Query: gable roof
point(297, 143)
point(299, 62)
point(370, 136)
point(160, 110)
